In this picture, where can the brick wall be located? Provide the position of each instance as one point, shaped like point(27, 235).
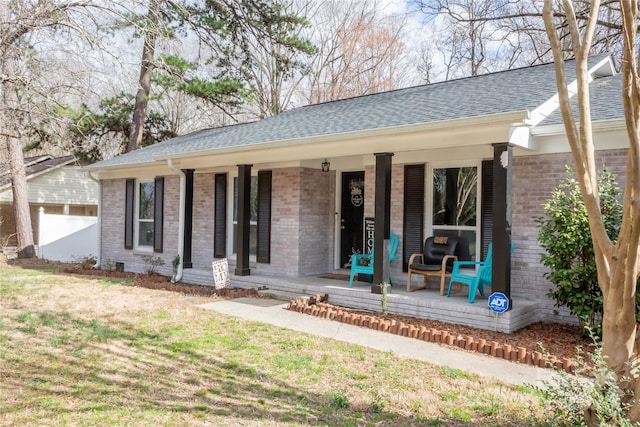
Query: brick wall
point(302, 225)
point(203, 217)
point(285, 223)
point(534, 179)
point(112, 231)
point(316, 238)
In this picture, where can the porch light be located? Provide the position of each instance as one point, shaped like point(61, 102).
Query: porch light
point(325, 165)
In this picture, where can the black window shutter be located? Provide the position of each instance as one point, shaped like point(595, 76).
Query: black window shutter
point(263, 250)
point(486, 210)
point(220, 216)
point(413, 233)
point(128, 213)
point(158, 194)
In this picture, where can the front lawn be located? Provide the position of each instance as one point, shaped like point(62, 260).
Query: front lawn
point(87, 351)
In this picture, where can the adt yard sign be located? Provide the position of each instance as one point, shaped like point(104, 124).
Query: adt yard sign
point(498, 302)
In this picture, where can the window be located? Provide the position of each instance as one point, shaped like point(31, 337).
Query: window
point(145, 219)
point(455, 205)
point(143, 214)
point(253, 227)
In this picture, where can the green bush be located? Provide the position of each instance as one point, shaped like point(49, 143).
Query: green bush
point(565, 235)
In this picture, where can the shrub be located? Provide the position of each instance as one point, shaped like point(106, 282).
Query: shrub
point(590, 397)
point(152, 263)
point(565, 235)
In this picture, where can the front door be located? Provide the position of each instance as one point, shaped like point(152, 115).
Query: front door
point(352, 219)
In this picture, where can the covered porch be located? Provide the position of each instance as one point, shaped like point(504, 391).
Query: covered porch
point(427, 304)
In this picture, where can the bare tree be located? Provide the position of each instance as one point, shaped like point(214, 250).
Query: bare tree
point(274, 63)
point(359, 51)
point(491, 35)
point(19, 19)
point(11, 134)
point(618, 263)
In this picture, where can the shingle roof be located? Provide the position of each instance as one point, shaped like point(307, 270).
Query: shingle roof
point(495, 93)
point(34, 165)
point(606, 101)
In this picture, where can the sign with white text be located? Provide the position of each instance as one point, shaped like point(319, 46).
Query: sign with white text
point(220, 269)
point(498, 302)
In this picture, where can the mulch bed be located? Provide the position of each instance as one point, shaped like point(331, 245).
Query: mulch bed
point(523, 346)
point(161, 282)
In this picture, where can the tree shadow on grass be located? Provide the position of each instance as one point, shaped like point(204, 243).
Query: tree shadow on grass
point(84, 372)
point(60, 368)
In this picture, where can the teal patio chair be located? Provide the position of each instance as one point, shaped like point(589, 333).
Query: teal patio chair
point(477, 281)
point(363, 263)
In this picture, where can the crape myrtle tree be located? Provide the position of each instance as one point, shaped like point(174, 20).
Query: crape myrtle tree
point(617, 263)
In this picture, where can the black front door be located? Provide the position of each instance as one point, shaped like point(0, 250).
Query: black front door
point(351, 222)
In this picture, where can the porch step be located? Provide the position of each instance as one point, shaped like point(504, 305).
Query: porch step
point(282, 295)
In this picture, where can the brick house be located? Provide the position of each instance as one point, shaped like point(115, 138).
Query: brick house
point(289, 195)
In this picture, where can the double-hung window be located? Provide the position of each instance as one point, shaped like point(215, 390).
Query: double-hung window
point(144, 206)
point(145, 219)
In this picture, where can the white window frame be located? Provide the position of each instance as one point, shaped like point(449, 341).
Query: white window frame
point(430, 228)
point(136, 223)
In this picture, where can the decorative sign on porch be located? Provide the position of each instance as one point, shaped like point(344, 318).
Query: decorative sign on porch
point(498, 302)
point(369, 225)
point(220, 269)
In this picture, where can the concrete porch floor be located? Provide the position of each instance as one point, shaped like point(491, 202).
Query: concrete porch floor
point(426, 304)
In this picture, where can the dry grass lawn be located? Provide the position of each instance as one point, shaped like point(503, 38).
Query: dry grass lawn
point(87, 351)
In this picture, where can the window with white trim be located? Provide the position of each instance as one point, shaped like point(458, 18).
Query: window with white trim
point(144, 221)
point(454, 207)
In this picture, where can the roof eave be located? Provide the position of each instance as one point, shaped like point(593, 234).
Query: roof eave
point(559, 128)
point(507, 118)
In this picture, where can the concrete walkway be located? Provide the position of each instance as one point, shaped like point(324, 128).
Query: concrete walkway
point(274, 312)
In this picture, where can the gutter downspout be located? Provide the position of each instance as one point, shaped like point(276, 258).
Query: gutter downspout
point(183, 190)
point(99, 256)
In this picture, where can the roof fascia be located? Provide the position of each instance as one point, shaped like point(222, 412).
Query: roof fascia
point(559, 128)
point(148, 171)
point(507, 118)
point(522, 134)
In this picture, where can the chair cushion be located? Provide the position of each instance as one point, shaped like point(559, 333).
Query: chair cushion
point(435, 252)
point(428, 267)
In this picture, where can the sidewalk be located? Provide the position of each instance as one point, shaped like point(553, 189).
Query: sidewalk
point(274, 312)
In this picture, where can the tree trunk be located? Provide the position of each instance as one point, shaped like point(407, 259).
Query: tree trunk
point(619, 329)
point(146, 68)
point(618, 263)
point(10, 133)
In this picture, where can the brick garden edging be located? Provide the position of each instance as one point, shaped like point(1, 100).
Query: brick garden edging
point(317, 306)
